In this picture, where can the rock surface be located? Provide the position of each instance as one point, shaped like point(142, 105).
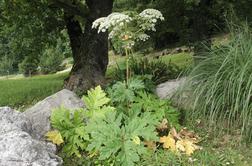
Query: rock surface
point(166, 90)
point(39, 114)
point(18, 148)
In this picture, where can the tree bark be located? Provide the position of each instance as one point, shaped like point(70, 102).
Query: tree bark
point(90, 49)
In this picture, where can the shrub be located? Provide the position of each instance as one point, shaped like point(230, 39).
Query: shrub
point(222, 84)
point(71, 127)
point(28, 66)
point(157, 69)
point(51, 60)
point(6, 66)
point(112, 131)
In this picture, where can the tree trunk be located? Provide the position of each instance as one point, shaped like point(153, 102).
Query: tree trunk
point(90, 49)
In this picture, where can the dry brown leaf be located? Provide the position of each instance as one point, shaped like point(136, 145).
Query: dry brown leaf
point(150, 145)
point(185, 133)
point(163, 126)
point(174, 133)
point(184, 141)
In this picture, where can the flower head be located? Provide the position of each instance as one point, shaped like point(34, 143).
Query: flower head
point(111, 21)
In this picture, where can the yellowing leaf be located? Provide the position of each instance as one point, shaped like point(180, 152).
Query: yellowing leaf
point(125, 37)
point(92, 154)
point(184, 141)
point(55, 137)
point(180, 145)
point(150, 144)
point(136, 140)
point(169, 142)
point(186, 146)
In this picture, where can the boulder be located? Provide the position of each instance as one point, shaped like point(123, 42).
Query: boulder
point(18, 148)
point(167, 90)
point(39, 114)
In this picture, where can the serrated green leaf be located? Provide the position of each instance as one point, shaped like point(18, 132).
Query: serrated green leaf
point(96, 98)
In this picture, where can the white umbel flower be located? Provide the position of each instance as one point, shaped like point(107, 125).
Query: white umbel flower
point(112, 20)
point(152, 14)
point(98, 22)
point(150, 17)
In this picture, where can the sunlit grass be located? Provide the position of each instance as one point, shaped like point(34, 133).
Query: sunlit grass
point(22, 92)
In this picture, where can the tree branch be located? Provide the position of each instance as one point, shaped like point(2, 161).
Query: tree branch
point(72, 8)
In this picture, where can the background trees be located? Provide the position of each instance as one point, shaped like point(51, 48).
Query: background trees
point(36, 25)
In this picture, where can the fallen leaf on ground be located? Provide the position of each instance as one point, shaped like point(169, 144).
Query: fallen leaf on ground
point(168, 142)
point(55, 137)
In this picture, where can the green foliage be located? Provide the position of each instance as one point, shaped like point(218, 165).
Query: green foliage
point(122, 93)
point(50, 61)
point(151, 71)
point(160, 108)
point(120, 135)
point(114, 139)
point(71, 126)
point(221, 84)
point(28, 30)
point(28, 66)
point(96, 103)
point(159, 70)
point(6, 65)
point(113, 135)
point(96, 98)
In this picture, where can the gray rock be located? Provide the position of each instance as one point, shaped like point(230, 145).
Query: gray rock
point(18, 148)
point(18, 120)
point(167, 90)
point(39, 114)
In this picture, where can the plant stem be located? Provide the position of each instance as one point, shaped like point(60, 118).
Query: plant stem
point(127, 66)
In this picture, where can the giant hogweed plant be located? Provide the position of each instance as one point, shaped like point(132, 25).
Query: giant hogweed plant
point(127, 29)
point(109, 130)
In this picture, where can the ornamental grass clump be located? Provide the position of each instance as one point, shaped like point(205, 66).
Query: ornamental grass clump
point(222, 84)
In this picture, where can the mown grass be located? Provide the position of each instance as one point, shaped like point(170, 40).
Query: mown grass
point(182, 60)
point(22, 92)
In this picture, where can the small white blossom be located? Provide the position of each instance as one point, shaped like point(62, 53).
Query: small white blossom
point(154, 20)
point(143, 37)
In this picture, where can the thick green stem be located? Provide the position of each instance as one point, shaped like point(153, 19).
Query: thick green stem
point(127, 66)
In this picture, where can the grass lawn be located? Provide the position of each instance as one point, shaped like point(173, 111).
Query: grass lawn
point(22, 92)
point(182, 60)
